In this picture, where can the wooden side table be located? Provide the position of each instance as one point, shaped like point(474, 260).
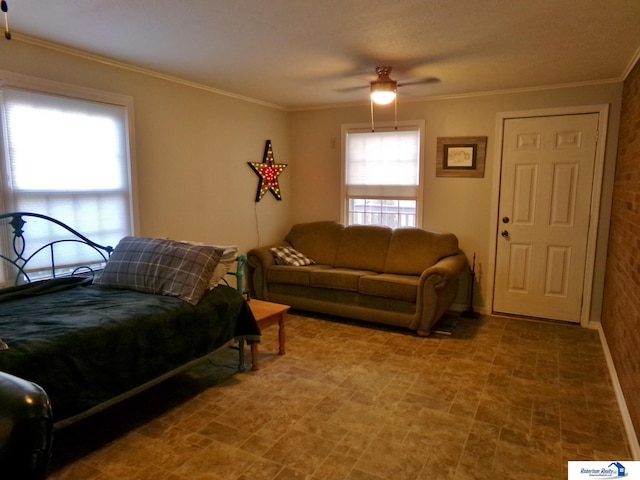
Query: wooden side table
point(267, 314)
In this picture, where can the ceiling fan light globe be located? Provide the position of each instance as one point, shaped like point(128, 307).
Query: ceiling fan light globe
point(383, 97)
point(383, 90)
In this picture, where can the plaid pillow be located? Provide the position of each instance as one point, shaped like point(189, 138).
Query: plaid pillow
point(227, 260)
point(290, 256)
point(163, 267)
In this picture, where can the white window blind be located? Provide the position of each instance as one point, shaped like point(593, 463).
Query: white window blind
point(383, 158)
point(67, 158)
point(382, 176)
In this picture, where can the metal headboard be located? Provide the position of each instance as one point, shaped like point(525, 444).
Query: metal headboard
point(241, 261)
point(18, 257)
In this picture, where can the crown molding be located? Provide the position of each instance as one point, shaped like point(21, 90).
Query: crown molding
point(136, 69)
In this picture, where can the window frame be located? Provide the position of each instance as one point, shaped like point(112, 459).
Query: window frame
point(396, 192)
point(54, 88)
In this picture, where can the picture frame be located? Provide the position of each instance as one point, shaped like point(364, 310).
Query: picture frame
point(461, 156)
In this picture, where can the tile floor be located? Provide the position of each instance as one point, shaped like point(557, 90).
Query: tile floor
point(499, 398)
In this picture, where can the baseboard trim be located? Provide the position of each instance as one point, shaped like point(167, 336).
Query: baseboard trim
point(458, 308)
point(626, 418)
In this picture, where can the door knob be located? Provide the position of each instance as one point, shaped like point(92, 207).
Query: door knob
point(504, 233)
point(505, 219)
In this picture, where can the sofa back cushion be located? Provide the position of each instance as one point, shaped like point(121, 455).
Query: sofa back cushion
point(412, 250)
point(317, 240)
point(364, 247)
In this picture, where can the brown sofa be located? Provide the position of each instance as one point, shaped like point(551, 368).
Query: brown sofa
point(405, 277)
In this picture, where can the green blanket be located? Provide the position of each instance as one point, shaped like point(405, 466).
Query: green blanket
point(85, 345)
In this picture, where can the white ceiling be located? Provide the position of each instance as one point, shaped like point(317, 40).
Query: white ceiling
point(304, 53)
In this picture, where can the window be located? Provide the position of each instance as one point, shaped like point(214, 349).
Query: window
point(382, 172)
point(67, 157)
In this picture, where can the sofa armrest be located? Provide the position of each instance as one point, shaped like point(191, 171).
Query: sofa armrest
point(258, 260)
point(446, 268)
point(438, 288)
point(260, 257)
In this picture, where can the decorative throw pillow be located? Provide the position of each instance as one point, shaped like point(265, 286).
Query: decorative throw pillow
point(290, 256)
point(162, 267)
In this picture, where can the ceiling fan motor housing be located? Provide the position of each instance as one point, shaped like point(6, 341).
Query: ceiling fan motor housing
point(383, 88)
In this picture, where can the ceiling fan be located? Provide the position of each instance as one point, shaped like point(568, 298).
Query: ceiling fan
point(384, 89)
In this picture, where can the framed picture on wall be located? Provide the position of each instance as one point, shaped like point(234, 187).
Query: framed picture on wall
point(461, 156)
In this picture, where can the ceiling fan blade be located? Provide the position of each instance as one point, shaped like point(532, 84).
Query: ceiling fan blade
point(351, 89)
point(420, 81)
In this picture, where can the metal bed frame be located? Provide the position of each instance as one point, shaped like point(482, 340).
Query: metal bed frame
point(20, 258)
point(25, 445)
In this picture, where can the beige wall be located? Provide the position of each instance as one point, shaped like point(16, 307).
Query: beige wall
point(191, 149)
point(459, 205)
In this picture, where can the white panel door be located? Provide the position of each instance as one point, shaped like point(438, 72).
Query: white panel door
point(545, 200)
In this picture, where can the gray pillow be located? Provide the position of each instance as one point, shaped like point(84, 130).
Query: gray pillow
point(163, 267)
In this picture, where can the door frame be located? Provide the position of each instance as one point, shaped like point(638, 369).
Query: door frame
point(596, 194)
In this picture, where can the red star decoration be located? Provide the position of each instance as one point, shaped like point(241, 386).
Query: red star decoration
point(268, 171)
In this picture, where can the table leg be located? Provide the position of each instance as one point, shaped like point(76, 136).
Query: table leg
point(281, 335)
point(241, 365)
point(254, 357)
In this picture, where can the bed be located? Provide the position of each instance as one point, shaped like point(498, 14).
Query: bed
point(95, 333)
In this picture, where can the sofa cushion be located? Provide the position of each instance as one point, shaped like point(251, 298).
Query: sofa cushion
point(364, 247)
point(401, 287)
point(317, 240)
point(337, 278)
point(412, 250)
point(292, 275)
